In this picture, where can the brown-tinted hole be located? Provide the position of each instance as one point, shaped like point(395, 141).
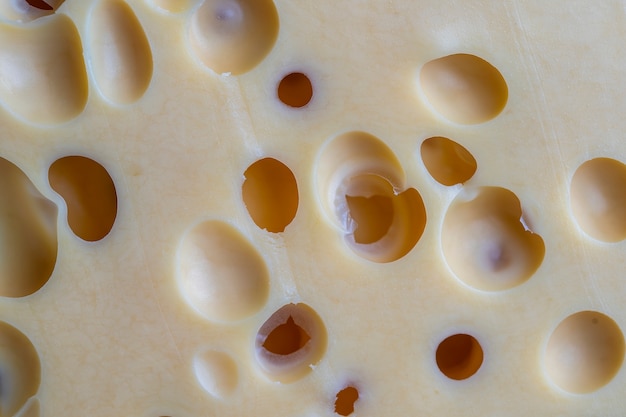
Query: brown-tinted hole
point(448, 162)
point(373, 216)
point(287, 338)
point(89, 193)
point(40, 4)
point(459, 356)
point(295, 90)
point(270, 193)
point(344, 403)
point(290, 343)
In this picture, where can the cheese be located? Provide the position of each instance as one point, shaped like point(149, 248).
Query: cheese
point(312, 208)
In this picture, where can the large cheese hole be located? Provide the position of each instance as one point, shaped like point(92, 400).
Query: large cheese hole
point(344, 401)
point(290, 342)
point(233, 36)
point(448, 162)
point(295, 90)
point(362, 187)
point(28, 234)
point(459, 356)
point(486, 243)
point(120, 54)
point(584, 352)
point(270, 193)
point(220, 274)
point(464, 88)
point(20, 371)
point(598, 199)
point(89, 193)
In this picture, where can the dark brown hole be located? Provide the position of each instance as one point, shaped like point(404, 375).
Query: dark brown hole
point(459, 356)
point(40, 4)
point(295, 90)
point(286, 338)
point(373, 216)
point(344, 403)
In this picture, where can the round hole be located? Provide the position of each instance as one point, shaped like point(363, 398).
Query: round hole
point(448, 162)
point(584, 352)
point(295, 90)
point(290, 342)
point(459, 356)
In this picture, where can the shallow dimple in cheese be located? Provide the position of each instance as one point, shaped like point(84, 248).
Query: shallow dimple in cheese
point(311, 208)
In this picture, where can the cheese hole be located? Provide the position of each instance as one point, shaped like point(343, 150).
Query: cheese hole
point(216, 373)
point(485, 241)
point(295, 90)
point(119, 52)
point(270, 193)
point(363, 193)
point(290, 343)
point(598, 199)
point(220, 274)
point(464, 88)
point(447, 162)
point(233, 36)
point(29, 234)
point(459, 356)
point(20, 370)
point(584, 352)
point(344, 401)
point(89, 193)
point(40, 4)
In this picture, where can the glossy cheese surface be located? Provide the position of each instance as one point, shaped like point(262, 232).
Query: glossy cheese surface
point(312, 208)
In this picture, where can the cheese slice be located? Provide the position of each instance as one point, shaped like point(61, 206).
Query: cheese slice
point(312, 208)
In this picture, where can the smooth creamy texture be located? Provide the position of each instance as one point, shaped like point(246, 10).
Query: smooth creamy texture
point(312, 208)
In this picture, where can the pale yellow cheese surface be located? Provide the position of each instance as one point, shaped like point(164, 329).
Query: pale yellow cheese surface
point(296, 208)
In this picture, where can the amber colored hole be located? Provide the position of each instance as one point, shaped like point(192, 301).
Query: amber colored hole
point(448, 162)
point(344, 403)
point(373, 216)
point(295, 90)
point(459, 356)
point(40, 4)
point(89, 193)
point(270, 193)
point(286, 338)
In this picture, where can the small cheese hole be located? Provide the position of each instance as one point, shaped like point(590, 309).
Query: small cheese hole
point(270, 193)
point(290, 343)
point(40, 4)
point(344, 402)
point(446, 161)
point(89, 193)
point(295, 90)
point(459, 356)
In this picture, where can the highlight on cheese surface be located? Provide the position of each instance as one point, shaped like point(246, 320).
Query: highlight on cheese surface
point(216, 372)
point(448, 162)
point(173, 6)
point(233, 36)
point(459, 356)
point(362, 190)
point(120, 54)
point(486, 244)
point(20, 371)
point(464, 88)
point(584, 352)
point(290, 343)
point(28, 235)
point(89, 193)
point(44, 79)
point(220, 274)
point(598, 199)
point(270, 193)
point(295, 90)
